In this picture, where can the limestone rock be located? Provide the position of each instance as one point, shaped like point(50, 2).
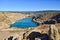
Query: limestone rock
point(53, 32)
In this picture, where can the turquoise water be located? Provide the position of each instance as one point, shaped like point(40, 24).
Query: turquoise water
point(24, 23)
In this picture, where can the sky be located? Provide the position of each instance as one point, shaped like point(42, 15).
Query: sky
point(29, 5)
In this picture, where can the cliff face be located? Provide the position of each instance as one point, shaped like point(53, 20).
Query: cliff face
point(7, 18)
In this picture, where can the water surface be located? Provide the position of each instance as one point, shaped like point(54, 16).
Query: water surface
point(24, 23)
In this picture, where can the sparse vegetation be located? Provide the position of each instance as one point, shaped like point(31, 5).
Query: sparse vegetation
point(8, 18)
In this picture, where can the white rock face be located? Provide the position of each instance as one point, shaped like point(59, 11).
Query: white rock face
point(54, 34)
point(37, 39)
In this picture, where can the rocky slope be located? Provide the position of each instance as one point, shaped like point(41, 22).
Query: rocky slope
point(7, 18)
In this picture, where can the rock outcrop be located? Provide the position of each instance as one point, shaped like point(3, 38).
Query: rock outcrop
point(53, 32)
point(7, 18)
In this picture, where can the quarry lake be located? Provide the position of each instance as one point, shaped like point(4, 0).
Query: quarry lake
point(24, 23)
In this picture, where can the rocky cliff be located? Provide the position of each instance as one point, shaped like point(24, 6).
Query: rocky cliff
point(43, 30)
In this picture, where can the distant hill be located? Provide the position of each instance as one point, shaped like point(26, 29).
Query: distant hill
point(37, 12)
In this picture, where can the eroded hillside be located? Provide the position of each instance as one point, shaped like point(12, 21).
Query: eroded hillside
point(7, 18)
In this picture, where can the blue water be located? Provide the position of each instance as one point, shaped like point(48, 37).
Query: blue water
point(24, 23)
